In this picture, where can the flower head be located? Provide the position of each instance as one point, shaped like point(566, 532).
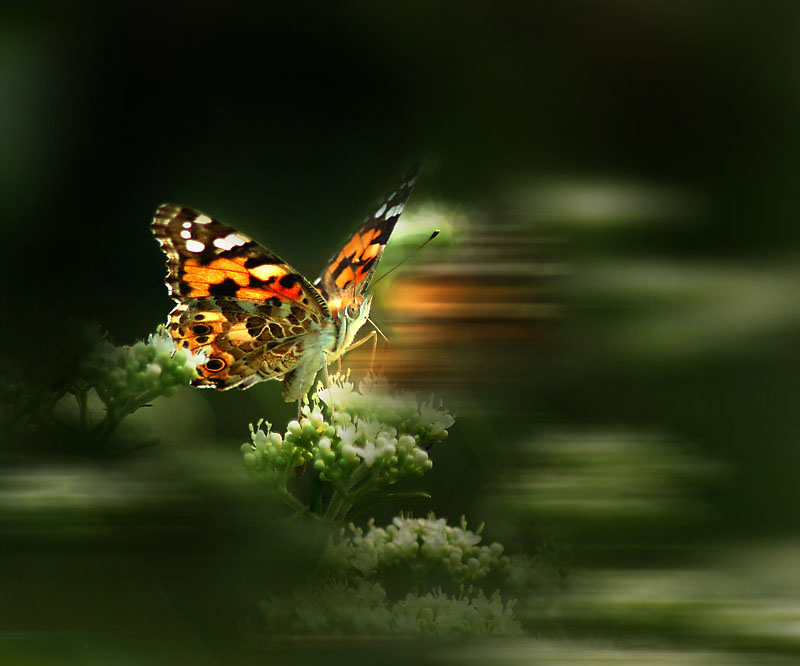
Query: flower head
point(359, 440)
point(416, 542)
point(139, 373)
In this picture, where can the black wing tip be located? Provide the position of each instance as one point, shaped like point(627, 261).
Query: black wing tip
point(167, 205)
point(169, 212)
point(166, 211)
point(173, 207)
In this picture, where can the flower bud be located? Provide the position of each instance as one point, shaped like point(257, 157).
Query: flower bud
point(260, 440)
point(405, 443)
point(182, 356)
point(140, 350)
point(152, 371)
point(317, 420)
point(349, 452)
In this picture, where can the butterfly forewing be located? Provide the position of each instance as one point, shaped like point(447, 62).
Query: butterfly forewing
point(207, 258)
point(348, 273)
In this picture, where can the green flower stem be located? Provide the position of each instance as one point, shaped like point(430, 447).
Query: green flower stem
point(115, 415)
point(365, 490)
point(344, 499)
point(358, 475)
point(334, 507)
point(291, 501)
point(83, 412)
point(341, 514)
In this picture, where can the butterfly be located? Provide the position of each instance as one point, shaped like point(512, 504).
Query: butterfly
point(255, 316)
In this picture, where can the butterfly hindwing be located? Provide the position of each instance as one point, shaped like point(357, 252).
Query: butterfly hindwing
point(245, 345)
point(348, 273)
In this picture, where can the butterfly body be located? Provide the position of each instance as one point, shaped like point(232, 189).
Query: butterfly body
point(255, 316)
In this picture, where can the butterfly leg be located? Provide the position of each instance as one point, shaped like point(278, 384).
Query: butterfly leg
point(372, 335)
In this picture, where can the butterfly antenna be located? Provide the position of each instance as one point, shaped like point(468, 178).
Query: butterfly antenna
point(396, 266)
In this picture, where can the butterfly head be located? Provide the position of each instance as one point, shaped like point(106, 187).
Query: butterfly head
point(351, 316)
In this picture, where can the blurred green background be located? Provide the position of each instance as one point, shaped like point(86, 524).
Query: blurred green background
point(615, 312)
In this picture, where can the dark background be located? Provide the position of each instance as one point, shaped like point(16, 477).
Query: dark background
point(294, 115)
point(677, 314)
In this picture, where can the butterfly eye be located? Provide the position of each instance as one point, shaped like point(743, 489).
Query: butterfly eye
point(352, 310)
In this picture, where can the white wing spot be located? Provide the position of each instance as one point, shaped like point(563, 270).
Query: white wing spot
point(380, 211)
point(395, 210)
point(230, 241)
point(187, 225)
point(391, 196)
point(203, 219)
point(195, 246)
point(186, 234)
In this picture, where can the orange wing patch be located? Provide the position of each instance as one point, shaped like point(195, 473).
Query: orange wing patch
point(198, 331)
point(199, 278)
point(232, 277)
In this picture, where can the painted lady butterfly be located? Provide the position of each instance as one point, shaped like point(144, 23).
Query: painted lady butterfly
point(256, 316)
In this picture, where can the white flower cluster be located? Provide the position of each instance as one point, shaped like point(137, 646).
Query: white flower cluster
point(374, 412)
point(362, 607)
point(274, 457)
point(155, 367)
point(354, 601)
point(419, 543)
point(435, 614)
point(369, 439)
